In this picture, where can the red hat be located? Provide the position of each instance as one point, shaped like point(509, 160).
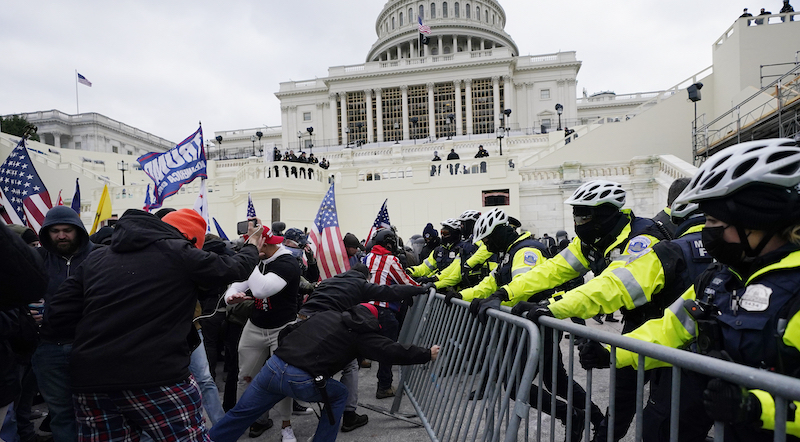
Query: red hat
point(269, 238)
point(371, 307)
point(190, 223)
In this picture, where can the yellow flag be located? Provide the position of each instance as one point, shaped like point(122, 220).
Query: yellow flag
point(103, 209)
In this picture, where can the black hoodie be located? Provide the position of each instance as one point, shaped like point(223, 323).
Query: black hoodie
point(131, 305)
point(328, 341)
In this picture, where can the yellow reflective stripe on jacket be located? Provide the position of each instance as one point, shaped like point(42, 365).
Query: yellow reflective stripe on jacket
point(518, 268)
point(627, 282)
point(669, 330)
point(425, 268)
point(568, 264)
point(768, 413)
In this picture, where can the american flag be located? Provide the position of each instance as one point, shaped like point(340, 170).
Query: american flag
point(251, 211)
point(326, 236)
point(423, 28)
point(381, 222)
point(22, 192)
point(83, 80)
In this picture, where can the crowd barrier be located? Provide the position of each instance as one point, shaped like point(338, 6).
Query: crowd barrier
point(490, 362)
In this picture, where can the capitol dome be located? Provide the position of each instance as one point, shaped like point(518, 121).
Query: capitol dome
point(456, 26)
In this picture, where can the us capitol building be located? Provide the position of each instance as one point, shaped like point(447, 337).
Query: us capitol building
point(379, 123)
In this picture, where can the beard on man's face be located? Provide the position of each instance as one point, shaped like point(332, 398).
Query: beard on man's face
point(66, 246)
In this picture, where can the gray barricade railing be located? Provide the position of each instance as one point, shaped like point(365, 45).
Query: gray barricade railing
point(783, 388)
point(468, 393)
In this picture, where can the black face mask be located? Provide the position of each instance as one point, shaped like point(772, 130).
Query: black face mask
point(731, 254)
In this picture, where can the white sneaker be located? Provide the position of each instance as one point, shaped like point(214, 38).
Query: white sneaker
point(287, 435)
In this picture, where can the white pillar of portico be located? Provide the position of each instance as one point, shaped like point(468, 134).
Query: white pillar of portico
point(469, 44)
point(441, 48)
point(404, 91)
point(468, 104)
point(343, 114)
point(496, 100)
point(379, 112)
point(370, 121)
point(457, 88)
point(508, 94)
point(333, 132)
point(431, 112)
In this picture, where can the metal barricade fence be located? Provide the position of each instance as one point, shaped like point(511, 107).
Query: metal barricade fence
point(468, 393)
point(493, 362)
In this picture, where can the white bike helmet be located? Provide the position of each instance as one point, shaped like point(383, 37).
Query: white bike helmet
point(488, 222)
point(681, 211)
point(451, 223)
point(597, 192)
point(774, 161)
point(469, 215)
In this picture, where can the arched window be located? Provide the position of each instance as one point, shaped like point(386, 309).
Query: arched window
point(494, 19)
point(444, 10)
point(410, 15)
point(478, 13)
point(486, 14)
point(468, 10)
point(433, 10)
point(392, 23)
point(457, 11)
point(401, 20)
point(422, 11)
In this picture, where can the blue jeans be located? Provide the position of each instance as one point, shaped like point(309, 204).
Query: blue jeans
point(198, 366)
point(51, 365)
point(277, 380)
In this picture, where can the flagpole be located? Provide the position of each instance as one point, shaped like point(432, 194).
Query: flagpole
point(77, 105)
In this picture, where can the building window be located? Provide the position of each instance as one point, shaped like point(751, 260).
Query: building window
point(401, 20)
point(486, 14)
point(130, 153)
point(392, 23)
point(468, 10)
point(418, 107)
point(500, 197)
point(410, 15)
point(356, 117)
point(392, 114)
point(544, 94)
point(546, 123)
point(115, 149)
point(456, 11)
point(433, 10)
point(482, 106)
point(422, 11)
point(494, 19)
point(77, 145)
point(306, 116)
point(444, 10)
point(477, 13)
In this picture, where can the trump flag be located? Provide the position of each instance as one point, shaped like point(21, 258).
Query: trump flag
point(178, 166)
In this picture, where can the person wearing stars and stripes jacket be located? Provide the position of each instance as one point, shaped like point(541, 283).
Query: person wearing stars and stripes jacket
point(745, 307)
point(385, 269)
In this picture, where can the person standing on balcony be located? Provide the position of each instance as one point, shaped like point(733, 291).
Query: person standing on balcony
point(787, 8)
point(482, 153)
point(760, 21)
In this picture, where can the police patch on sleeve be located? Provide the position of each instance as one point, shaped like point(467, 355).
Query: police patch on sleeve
point(755, 298)
point(638, 244)
point(530, 258)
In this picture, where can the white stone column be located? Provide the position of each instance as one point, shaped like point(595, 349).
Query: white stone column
point(496, 100)
point(508, 93)
point(431, 112)
point(522, 109)
point(483, 44)
point(457, 87)
point(469, 44)
point(284, 123)
point(379, 112)
point(441, 46)
point(343, 114)
point(468, 104)
point(370, 121)
point(333, 132)
point(293, 127)
point(404, 91)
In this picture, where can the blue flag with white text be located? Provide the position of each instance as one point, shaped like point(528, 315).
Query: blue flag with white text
point(174, 168)
point(76, 199)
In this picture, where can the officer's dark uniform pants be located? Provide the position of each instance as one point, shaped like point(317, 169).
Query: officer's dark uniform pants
point(625, 404)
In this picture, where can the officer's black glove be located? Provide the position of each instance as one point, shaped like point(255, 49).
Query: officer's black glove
point(522, 308)
point(727, 402)
point(594, 355)
point(426, 279)
point(449, 294)
point(428, 286)
point(540, 310)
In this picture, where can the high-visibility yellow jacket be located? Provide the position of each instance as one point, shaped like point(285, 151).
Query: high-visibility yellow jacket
point(522, 256)
point(451, 276)
point(750, 321)
point(638, 283)
point(638, 235)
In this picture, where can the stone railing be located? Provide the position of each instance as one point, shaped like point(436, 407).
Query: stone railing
point(292, 171)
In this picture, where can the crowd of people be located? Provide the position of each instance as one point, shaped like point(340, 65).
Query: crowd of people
point(290, 156)
point(786, 8)
point(78, 323)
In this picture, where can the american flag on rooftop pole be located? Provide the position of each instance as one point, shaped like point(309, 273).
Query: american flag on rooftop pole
point(424, 29)
point(326, 236)
point(381, 221)
point(22, 192)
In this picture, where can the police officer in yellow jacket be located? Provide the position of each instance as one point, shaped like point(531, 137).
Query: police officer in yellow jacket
point(743, 309)
point(443, 255)
point(472, 263)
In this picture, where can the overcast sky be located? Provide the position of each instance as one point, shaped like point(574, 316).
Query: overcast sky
point(162, 66)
